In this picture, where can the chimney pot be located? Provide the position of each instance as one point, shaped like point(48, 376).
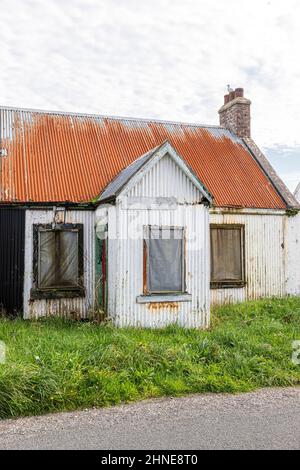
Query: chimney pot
point(226, 99)
point(231, 95)
point(239, 92)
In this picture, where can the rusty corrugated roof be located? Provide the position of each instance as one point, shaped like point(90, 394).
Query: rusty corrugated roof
point(59, 157)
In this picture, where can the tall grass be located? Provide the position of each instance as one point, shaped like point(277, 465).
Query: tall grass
point(56, 364)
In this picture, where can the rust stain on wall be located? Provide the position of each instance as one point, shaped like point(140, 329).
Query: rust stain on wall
point(163, 305)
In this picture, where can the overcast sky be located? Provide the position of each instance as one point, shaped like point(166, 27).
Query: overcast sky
point(167, 59)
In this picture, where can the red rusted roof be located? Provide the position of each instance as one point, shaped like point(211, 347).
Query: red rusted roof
point(66, 157)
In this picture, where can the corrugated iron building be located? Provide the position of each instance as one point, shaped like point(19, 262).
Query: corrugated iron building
point(142, 199)
point(63, 169)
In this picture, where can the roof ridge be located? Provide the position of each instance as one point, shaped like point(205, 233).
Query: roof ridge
point(107, 116)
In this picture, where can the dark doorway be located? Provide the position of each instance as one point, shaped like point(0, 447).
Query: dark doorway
point(101, 273)
point(12, 236)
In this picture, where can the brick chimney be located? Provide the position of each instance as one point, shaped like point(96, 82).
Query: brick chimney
point(235, 113)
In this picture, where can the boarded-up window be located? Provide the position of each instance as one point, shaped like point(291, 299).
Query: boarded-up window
point(58, 260)
point(227, 255)
point(164, 265)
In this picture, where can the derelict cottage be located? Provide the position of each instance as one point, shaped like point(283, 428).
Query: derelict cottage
point(149, 222)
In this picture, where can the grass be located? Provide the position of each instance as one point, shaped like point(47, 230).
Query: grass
point(55, 364)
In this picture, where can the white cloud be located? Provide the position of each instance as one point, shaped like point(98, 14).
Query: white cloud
point(169, 59)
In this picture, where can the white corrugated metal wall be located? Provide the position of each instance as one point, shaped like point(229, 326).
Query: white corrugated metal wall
point(265, 254)
point(128, 278)
point(166, 179)
point(272, 252)
point(293, 255)
point(125, 250)
point(77, 306)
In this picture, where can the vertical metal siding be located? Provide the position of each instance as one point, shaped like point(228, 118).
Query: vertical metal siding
point(265, 255)
point(129, 269)
point(173, 181)
point(125, 258)
point(12, 233)
point(293, 255)
point(78, 307)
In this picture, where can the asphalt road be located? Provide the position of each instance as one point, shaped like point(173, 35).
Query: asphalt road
point(266, 419)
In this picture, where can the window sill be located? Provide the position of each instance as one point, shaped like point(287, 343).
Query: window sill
point(154, 298)
point(57, 293)
point(227, 285)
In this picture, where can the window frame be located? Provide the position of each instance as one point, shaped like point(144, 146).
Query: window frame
point(57, 292)
point(146, 235)
point(217, 284)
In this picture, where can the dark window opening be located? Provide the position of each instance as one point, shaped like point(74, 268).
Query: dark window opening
point(227, 255)
point(57, 261)
point(164, 260)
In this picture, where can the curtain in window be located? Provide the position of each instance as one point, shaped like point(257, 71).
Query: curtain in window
point(68, 271)
point(58, 258)
point(165, 260)
point(226, 254)
point(47, 254)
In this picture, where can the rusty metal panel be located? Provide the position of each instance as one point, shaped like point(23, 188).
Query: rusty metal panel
point(77, 307)
point(116, 185)
point(265, 255)
point(66, 157)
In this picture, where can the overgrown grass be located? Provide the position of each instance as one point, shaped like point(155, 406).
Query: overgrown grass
point(56, 364)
